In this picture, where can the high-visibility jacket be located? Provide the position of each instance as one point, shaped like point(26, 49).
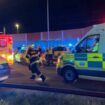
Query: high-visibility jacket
point(96, 47)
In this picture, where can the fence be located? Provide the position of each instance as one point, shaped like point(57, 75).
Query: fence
point(63, 37)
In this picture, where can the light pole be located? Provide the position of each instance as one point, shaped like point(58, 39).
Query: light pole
point(48, 33)
point(4, 30)
point(17, 27)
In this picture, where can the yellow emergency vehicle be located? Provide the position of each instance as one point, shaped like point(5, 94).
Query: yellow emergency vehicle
point(59, 50)
point(20, 57)
point(86, 60)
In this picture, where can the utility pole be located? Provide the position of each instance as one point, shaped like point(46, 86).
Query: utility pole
point(48, 33)
point(4, 30)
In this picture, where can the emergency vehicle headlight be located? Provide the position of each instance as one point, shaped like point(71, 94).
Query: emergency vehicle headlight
point(3, 55)
point(10, 57)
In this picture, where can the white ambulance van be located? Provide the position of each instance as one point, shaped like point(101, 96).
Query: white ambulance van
point(87, 60)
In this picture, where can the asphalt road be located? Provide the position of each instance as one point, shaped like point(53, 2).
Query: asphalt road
point(20, 76)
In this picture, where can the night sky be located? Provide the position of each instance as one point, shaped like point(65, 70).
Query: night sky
point(64, 14)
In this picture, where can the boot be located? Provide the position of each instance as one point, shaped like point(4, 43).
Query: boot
point(32, 77)
point(43, 78)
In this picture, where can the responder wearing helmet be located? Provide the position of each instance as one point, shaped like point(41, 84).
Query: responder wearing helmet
point(32, 55)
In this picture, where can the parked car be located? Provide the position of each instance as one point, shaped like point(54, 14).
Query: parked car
point(51, 59)
point(4, 69)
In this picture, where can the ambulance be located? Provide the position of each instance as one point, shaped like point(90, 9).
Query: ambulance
point(83, 62)
point(6, 47)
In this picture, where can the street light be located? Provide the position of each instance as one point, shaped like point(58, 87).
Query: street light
point(17, 27)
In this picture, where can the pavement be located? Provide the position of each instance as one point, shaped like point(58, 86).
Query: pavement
point(20, 77)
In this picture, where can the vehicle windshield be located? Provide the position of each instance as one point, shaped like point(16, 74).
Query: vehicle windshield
point(88, 44)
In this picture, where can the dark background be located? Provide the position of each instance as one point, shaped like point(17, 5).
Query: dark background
point(64, 14)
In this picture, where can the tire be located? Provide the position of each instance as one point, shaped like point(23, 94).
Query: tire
point(69, 74)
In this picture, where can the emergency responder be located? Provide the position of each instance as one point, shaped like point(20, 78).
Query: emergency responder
point(32, 55)
point(43, 58)
point(96, 45)
point(39, 51)
point(94, 48)
point(49, 56)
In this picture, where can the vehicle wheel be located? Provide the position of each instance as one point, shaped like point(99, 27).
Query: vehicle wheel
point(69, 74)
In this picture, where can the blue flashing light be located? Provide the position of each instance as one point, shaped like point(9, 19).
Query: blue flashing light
point(33, 45)
point(23, 47)
point(70, 45)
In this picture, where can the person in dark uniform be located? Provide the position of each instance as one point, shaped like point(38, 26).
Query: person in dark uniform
point(32, 55)
point(39, 51)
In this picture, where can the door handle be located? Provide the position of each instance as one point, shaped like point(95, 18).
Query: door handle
point(95, 56)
